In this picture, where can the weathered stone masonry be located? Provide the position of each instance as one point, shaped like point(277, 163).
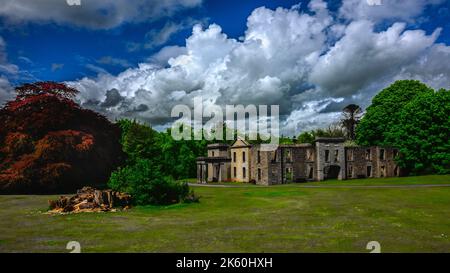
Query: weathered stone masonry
point(327, 158)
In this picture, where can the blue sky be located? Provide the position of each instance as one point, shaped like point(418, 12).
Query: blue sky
point(69, 49)
point(53, 42)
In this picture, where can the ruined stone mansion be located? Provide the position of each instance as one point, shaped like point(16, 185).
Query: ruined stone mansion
point(327, 158)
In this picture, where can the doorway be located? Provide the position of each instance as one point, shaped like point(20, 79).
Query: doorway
point(331, 172)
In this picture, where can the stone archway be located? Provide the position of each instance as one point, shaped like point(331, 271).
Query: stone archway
point(331, 172)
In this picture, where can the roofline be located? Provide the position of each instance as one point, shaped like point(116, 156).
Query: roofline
point(241, 146)
point(329, 139)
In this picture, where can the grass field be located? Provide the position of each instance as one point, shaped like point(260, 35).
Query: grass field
point(287, 218)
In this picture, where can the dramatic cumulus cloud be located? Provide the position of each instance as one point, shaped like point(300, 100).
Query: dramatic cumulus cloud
point(363, 56)
point(166, 53)
point(267, 67)
point(306, 62)
point(98, 14)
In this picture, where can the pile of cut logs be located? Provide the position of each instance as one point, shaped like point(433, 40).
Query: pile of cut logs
point(90, 200)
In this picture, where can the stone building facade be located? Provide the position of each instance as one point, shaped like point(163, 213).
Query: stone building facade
point(327, 158)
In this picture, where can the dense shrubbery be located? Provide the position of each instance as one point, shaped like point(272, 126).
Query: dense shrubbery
point(145, 182)
point(333, 130)
point(155, 160)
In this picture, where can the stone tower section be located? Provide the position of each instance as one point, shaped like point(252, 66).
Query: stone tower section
point(330, 158)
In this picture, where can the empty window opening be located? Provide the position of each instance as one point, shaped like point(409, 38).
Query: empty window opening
point(369, 171)
point(382, 171)
point(327, 155)
point(350, 155)
point(336, 156)
point(311, 173)
point(288, 156)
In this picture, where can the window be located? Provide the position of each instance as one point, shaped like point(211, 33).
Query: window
point(382, 155)
point(289, 174)
point(327, 155)
point(259, 174)
point(234, 156)
point(243, 157)
point(212, 153)
point(309, 155)
point(369, 171)
point(350, 155)
point(336, 155)
point(350, 171)
point(288, 156)
point(311, 171)
point(259, 156)
point(368, 155)
point(243, 172)
point(234, 172)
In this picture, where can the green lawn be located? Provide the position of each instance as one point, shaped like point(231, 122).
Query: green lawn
point(285, 218)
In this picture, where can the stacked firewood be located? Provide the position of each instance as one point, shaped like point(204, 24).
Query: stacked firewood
point(91, 200)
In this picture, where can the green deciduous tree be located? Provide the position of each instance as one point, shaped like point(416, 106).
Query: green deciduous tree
point(414, 118)
point(384, 112)
point(422, 133)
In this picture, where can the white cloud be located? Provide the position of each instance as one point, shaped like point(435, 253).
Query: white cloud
point(157, 37)
point(6, 69)
point(166, 53)
point(97, 14)
point(6, 90)
point(284, 58)
point(266, 67)
point(310, 116)
point(363, 56)
point(389, 9)
point(432, 67)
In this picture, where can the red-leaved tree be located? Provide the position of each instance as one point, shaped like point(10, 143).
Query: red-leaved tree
point(49, 144)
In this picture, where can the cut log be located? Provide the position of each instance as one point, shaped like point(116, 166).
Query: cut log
point(90, 200)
